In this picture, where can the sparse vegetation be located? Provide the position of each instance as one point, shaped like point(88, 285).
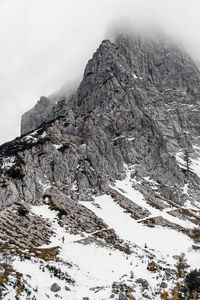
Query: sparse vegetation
point(186, 158)
point(22, 211)
point(5, 256)
point(57, 272)
point(174, 294)
point(164, 295)
point(192, 281)
point(181, 266)
point(195, 235)
point(46, 254)
point(122, 288)
point(152, 266)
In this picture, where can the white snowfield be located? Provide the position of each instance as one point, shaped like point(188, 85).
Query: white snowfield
point(95, 268)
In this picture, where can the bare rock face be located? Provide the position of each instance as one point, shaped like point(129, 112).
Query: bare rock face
point(138, 104)
point(36, 116)
point(134, 114)
point(47, 108)
point(159, 61)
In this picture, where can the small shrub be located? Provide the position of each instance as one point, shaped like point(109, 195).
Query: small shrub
point(22, 211)
point(164, 295)
point(174, 294)
point(122, 288)
point(152, 266)
point(193, 280)
point(181, 266)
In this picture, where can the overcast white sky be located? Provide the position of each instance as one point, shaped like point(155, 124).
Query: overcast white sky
point(45, 43)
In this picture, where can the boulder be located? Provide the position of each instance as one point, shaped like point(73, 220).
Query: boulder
point(55, 287)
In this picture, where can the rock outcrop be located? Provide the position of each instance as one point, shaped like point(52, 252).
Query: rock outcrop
point(131, 108)
point(136, 105)
point(39, 113)
point(135, 115)
point(36, 116)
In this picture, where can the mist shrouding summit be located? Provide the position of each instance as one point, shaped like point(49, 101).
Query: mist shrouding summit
point(45, 43)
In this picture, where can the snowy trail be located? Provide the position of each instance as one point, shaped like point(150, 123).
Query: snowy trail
point(94, 266)
point(126, 227)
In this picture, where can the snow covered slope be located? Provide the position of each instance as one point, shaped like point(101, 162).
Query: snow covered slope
point(85, 266)
point(101, 198)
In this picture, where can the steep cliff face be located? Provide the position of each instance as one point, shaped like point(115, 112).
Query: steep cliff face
point(36, 116)
point(39, 113)
point(120, 115)
point(132, 125)
point(162, 63)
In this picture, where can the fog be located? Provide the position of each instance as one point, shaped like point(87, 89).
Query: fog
point(45, 43)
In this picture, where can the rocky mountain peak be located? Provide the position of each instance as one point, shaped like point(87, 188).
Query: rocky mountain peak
point(109, 169)
point(161, 62)
point(131, 61)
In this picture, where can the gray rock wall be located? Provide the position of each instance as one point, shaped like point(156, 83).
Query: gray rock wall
point(123, 114)
point(36, 116)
